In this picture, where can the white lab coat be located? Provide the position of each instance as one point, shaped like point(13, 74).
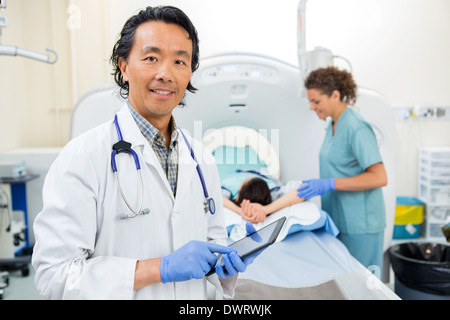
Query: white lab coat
point(84, 251)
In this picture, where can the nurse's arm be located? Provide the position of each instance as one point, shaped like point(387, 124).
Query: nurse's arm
point(147, 273)
point(374, 177)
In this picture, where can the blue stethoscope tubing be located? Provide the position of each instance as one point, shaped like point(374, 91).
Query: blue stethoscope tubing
point(124, 146)
point(119, 147)
point(209, 203)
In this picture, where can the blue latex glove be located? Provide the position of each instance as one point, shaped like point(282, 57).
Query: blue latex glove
point(232, 263)
point(191, 261)
point(315, 187)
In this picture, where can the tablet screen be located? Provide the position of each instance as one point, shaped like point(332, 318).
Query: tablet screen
point(256, 241)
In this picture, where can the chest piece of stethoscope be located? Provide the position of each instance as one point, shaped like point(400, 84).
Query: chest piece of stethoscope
point(209, 205)
point(125, 216)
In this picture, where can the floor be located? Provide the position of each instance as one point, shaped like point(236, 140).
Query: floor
point(20, 287)
point(23, 288)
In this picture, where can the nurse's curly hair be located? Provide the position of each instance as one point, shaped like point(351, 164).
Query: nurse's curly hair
point(331, 78)
point(123, 46)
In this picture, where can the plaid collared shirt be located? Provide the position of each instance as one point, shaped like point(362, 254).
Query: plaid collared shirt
point(168, 158)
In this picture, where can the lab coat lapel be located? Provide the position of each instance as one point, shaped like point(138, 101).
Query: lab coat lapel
point(151, 159)
point(186, 167)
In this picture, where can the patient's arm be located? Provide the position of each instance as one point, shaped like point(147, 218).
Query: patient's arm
point(227, 203)
point(246, 211)
point(253, 212)
point(256, 212)
point(282, 202)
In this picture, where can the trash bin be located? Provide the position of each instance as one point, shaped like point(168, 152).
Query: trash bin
point(422, 270)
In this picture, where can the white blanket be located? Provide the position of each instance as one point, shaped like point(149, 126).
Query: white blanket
point(301, 216)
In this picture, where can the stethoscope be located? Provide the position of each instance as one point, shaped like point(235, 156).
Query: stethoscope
point(124, 146)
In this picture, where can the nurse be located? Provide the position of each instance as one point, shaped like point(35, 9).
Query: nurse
point(351, 169)
point(89, 242)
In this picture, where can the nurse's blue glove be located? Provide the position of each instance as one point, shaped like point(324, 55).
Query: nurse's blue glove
point(191, 261)
point(232, 263)
point(315, 187)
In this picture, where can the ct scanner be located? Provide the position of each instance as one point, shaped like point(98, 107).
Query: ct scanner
point(258, 100)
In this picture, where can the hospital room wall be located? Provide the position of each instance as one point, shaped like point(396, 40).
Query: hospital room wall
point(397, 47)
point(36, 98)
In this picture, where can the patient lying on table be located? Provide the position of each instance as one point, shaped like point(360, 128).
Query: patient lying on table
point(254, 196)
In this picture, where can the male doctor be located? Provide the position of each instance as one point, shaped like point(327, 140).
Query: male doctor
point(89, 244)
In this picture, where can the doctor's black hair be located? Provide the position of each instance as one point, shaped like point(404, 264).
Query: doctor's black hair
point(123, 46)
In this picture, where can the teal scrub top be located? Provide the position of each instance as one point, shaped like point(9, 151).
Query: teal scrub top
point(348, 153)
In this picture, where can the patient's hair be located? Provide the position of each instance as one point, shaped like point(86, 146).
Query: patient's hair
point(331, 78)
point(123, 46)
point(255, 190)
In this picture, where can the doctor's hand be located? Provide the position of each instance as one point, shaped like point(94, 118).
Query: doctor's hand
point(232, 263)
point(191, 261)
point(315, 187)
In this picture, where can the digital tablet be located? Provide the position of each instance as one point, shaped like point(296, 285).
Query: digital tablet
point(255, 242)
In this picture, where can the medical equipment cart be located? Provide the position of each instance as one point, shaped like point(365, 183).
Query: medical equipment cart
point(19, 257)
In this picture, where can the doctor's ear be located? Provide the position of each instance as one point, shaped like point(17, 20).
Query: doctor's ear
point(123, 64)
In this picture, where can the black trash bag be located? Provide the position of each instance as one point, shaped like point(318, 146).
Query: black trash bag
point(422, 266)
